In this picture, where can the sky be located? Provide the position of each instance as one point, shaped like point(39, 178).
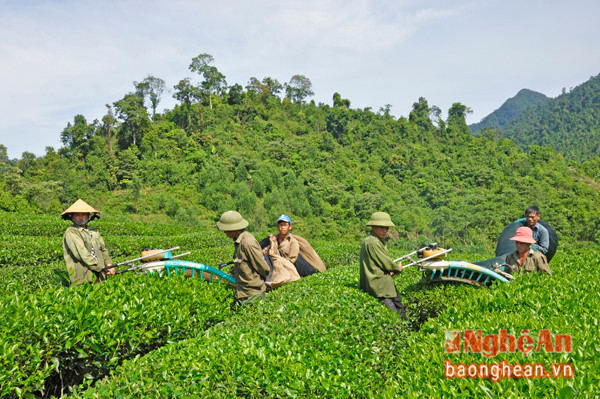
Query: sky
point(61, 58)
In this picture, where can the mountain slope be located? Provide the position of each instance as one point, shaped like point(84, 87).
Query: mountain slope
point(511, 108)
point(569, 123)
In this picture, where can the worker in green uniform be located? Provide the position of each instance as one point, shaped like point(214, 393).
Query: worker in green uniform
point(250, 268)
point(84, 249)
point(377, 268)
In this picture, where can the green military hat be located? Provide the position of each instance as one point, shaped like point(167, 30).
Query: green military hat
point(382, 219)
point(232, 221)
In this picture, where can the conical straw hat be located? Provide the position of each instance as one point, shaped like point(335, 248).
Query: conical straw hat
point(80, 206)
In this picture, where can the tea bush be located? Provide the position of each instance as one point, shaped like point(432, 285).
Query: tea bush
point(318, 337)
point(59, 337)
point(31, 252)
point(322, 337)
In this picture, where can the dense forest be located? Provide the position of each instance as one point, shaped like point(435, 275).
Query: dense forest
point(264, 149)
point(511, 108)
point(569, 123)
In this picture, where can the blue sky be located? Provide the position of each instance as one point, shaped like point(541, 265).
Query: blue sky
point(63, 58)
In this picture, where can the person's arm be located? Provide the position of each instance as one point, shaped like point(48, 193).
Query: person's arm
point(256, 258)
point(294, 250)
point(543, 242)
point(105, 255)
point(381, 258)
point(78, 250)
point(542, 265)
point(273, 250)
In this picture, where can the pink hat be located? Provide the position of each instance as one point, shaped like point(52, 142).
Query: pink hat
point(524, 234)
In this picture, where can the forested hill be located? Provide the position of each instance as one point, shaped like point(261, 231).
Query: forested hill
point(264, 150)
point(511, 108)
point(569, 123)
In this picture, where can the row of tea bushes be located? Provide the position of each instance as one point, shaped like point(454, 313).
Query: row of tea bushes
point(60, 337)
point(568, 303)
point(32, 253)
point(322, 337)
point(33, 224)
point(36, 239)
point(318, 337)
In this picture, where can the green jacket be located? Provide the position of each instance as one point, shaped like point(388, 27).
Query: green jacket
point(85, 254)
point(375, 268)
point(250, 269)
point(535, 261)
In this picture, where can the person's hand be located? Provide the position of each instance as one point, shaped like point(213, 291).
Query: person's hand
point(401, 268)
point(110, 271)
point(271, 252)
point(272, 238)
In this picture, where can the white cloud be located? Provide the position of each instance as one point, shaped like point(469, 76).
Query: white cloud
point(67, 57)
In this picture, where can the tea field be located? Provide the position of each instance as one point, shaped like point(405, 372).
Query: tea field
point(149, 336)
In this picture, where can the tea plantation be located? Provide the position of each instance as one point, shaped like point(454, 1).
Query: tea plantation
point(149, 336)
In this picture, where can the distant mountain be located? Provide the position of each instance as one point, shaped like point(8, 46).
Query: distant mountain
point(570, 123)
point(511, 108)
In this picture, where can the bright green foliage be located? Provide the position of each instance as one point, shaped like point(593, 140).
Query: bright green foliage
point(321, 336)
point(31, 254)
point(299, 88)
point(328, 167)
point(569, 123)
point(511, 108)
point(70, 336)
point(214, 81)
point(152, 88)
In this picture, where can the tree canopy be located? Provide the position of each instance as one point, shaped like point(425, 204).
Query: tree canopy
point(327, 166)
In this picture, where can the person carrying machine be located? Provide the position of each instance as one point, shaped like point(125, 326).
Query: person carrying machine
point(377, 268)
point(84, 249)
point(249, 269)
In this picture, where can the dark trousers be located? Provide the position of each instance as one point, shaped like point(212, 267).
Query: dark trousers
point(395, 305)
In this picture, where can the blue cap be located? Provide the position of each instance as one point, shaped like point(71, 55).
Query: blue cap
point(284, 218)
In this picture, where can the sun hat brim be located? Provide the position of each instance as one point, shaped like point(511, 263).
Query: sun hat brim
point(79, 206)
point(242, 224)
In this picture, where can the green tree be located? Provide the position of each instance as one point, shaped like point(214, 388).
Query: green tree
point(214, 81)
point(76, 136)
point(420, 116)
point(273, 84)
point(186, 93)
point(109, 124)
point(338, 101)
point(127, 165)
point(298, 88)
point(457, 126)
point(152, 88)
point(269, 87)
point(235, 95)
point(130, 109)
point(3, 153)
